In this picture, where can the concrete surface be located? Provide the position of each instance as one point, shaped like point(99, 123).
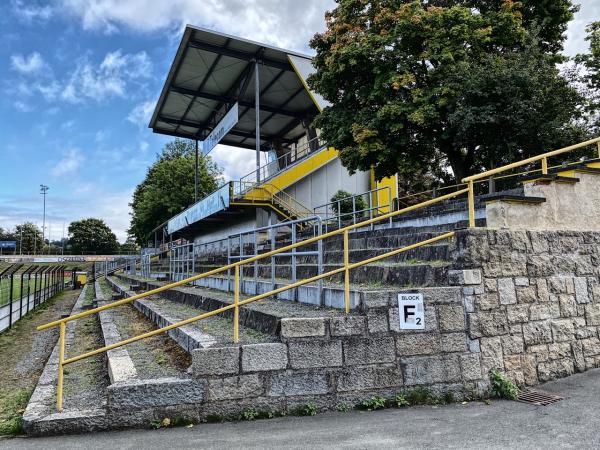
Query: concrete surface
point(571, 423)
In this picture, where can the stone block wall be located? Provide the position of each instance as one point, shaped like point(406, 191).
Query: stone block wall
point(536, 312)
point(343, 360)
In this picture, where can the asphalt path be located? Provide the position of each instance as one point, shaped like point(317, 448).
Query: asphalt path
point(571, 423)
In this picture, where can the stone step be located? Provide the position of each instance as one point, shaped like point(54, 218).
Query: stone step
point(263, 316)
point(153, 358)
point(84, 409)
point(334, 254)
point(391, 274)
point(216, 330)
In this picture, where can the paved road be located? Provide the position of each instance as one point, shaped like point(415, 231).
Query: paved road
point(571, 423)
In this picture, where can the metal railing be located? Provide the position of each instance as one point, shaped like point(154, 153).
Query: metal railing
point(23, 288)
point(237, 303)
point(256, 194)
point(294, 154)
point(236, 266)
point(543, 158)
point(334, 216)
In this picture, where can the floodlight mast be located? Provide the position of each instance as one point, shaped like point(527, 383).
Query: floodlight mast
point(43, 191)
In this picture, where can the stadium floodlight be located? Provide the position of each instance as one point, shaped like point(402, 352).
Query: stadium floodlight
point(43, 190)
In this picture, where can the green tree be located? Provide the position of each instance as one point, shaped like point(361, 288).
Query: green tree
point(168, 187)
point(590, 75)
point(129, 247)
point(592, 59)
point(92, 236)
point(29, 236)
point(342, 203)
point(415, 82)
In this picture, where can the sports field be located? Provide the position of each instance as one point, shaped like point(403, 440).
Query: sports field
point(5, 288)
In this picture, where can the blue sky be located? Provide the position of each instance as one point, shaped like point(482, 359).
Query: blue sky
point(79, 80)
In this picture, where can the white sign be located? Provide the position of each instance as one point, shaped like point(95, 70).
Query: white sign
point(225, 124)
point(411, 311)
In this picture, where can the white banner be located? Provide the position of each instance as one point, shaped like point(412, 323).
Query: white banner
point(227, 123)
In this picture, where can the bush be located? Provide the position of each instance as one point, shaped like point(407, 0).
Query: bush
point(342, 203)
point(401, 401)
point(502, 386)
point(373, 403)
point(310, 409)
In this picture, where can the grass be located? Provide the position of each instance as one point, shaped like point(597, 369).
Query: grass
point(12, 406)
point(22, 358)
point(5, 289)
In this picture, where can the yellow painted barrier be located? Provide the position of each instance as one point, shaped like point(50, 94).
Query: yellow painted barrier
point(237, 303)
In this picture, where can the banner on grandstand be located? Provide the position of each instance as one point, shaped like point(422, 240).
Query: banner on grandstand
point(225, 124)
point(8, 244)
point(215, 202)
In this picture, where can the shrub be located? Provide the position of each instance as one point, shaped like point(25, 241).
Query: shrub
point(401, 401)
point(250, 414)
point(373, 403)
point(310, 409)
point(342, 203)
point(502, 386)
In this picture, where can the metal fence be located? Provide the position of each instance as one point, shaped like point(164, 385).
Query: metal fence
point(335, 217)
point(293, 155)
point(23, 288)
point(239, 246)
point(126, 263)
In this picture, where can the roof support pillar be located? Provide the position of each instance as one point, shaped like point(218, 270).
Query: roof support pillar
point(257, 109)
point(196, 175)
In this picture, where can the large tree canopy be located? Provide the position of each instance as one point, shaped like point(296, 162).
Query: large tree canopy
point(92, 236)
point(169, 187)
point(471, 82)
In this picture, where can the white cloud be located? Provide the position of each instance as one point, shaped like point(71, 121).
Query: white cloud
point(262, 20)
point(22, 106)
point(236, 162)
point(69, 163)
point(27, 64)
point(109, 79)
point(589, 11)
point(30, 13)
point(141, 114)
point(87, 81)
point(87, 200)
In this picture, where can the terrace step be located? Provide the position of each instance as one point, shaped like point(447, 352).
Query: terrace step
point(153, 358)
point(174, 306)
point(263, 316)
point(85, 398)
point(590, 167)
point(391, 274)
point(514, 199)
point(550, 178)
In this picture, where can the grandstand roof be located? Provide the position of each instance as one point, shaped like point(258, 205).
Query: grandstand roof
point(211, 71)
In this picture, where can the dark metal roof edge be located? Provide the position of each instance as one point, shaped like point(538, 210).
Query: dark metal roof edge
point(174, 67)
point(248, 41)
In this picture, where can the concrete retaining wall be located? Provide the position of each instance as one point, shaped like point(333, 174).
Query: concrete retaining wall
point(342, 360)
point(536, 313)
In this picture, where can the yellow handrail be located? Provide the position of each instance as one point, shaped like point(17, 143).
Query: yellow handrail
point(543, 158)
point(347, 266)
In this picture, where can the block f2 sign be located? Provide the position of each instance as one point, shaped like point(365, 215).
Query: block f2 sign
point(411, 311)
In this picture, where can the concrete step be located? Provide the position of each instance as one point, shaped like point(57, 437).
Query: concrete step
point(261, 319)
point(152, 358)
point(392, 274)
point(85, 382)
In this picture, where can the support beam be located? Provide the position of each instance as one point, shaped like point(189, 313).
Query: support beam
point(203, 83)
point(238, 55)
point(257, 113)
point(225, 99)
point(244, 134)
point(196, 174)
